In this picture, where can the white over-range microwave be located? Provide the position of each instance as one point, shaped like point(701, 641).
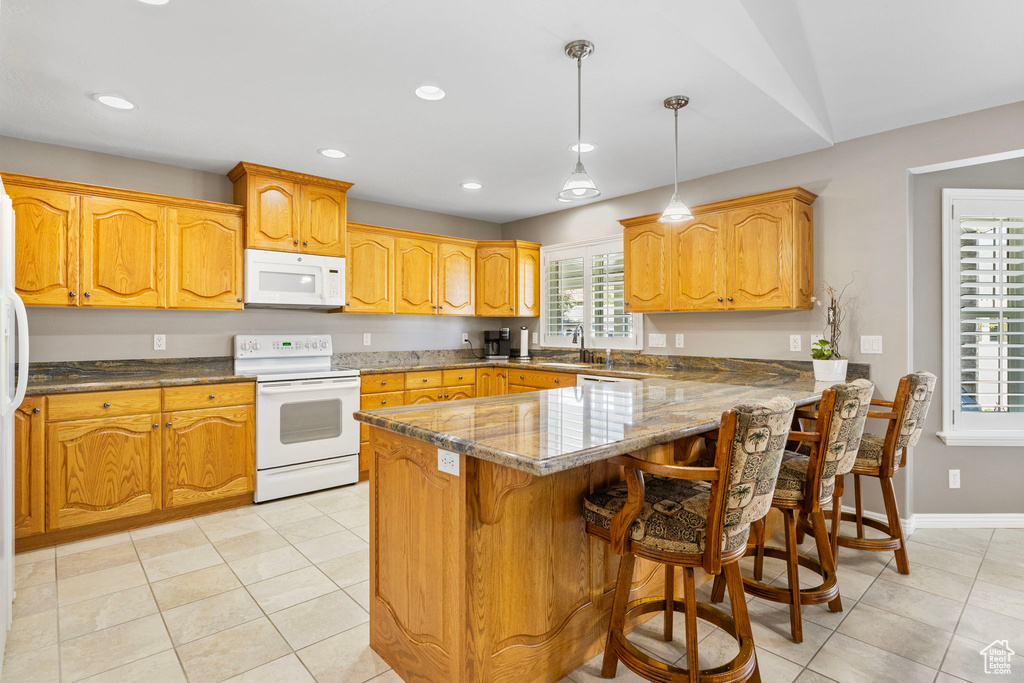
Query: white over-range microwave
point(285, 280)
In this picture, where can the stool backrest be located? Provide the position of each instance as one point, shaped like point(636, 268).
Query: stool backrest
point(914, 408)
point(845, 426)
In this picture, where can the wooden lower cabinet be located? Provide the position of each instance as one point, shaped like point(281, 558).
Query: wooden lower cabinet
point(29, 462)
point(458, 393)
point(491, 382)
point(208, 454)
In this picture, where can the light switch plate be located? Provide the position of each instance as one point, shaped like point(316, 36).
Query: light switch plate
point(159, 342)
point(679, 341)
point(366, 338)
point(795, 342)
point(448, 461)
point(871, 344)
point(536, 338)
point(656, 341)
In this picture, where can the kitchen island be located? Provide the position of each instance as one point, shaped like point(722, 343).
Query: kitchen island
point(485, 572)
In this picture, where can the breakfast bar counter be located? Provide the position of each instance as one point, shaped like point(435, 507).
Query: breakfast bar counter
point(484, 572)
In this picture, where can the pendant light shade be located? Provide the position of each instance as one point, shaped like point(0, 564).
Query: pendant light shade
point(579, 185)
point(676, 211)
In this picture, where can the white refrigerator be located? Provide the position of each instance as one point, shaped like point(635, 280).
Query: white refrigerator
point(13, 346)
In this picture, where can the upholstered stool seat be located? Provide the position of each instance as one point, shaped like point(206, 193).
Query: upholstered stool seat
point(869, 457)
point(792, 480)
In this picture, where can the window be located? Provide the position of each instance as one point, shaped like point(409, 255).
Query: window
point(983, 283)
point(584, 284)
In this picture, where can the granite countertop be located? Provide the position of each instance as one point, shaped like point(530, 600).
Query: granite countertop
point(77, 376)
point(543, 432)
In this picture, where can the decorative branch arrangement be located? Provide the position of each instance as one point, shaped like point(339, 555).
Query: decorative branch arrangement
point(835, 314)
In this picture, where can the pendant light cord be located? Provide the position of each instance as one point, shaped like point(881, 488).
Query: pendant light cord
point(579, 108)
point(675, 189)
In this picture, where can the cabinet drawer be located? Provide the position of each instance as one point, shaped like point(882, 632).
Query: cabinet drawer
point(539, 379)
point(457, 378)
point(428, 379)
point(391, 398)
point(520, 389)
point(102, 404)
point(414, 396)
point(209, 396)
point(375, 384)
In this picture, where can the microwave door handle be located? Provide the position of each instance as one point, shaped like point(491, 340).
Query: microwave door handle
point(304, 388)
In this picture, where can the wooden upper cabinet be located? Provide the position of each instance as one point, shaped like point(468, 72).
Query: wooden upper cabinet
point(415, 276)
point(123, 253)
point(455, 278)
point(46, 245)
point(370, 272)
point(208, 454)
point(29, 461)
point(527, 281)
point(803, 254)
point(323, 220)
point(289, 211)
point(760, 249)
point(495, 280)
point(698, 265)
point(646, 248)
point(205, 257)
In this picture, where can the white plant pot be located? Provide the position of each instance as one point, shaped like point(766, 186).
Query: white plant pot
point(830, 370)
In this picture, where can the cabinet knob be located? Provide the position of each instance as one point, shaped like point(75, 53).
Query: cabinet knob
point(71, 293)
point(155, 425)
point(87, 295)
point(384, 383)
point(522, 377)
point(212, 397)
point(305, 243)
point(348, 303)
point(383, 402)
point(719, 298)
point(511, 308)
point(35, 410)
point(460, 376)
point(170, 424)
point(556, 381)
point(239, 299)
point(295, 242)
point(106, 405)
point(730, 298)
point(424, 380)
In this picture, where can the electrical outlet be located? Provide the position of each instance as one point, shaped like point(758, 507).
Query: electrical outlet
point(536, 338)
point(679, 341)
point(465, 337)
point(448, 461)
point(871, 344)
point(954, 479)
point(366, 338)
point(795, 342)
point(656, 341)
point(159, 342)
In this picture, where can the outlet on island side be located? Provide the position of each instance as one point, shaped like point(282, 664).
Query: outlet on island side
point(954, 479)
point(448, 461)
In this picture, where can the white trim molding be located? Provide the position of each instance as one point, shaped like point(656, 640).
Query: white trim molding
point(907, 524)
point(982, 438)
point(1009, 520)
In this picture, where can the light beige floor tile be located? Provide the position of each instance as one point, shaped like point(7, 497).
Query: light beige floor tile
point(95, 560)
point(170, 542)
point(392, 677)
point(290, 589)
point(93, 543)
point(353, 516)
point(32, 632)
point(964, 661)
point(287, 668)
point(231, 652)
point(31, 556)
point(162, 667)
point(809, 676)
point(312, 621)
point(967, 541)
point(103, 582)
point(279, 516)
point(348, 569)
point(864, 561)
point(335, 501)
point(1002, 574)
point(103, 650)
point(105, 611)
point(307, 529)
point(847, 660)
point(35, 599)
point(181, 562)
point(360, 592)
point(772, 633)
point(268, 565)
point(915, 604)
point(817, 614)
point(898, 635)
point(946, 678)
point(997, 599)
point(37, 666)
point(362, 532)
point(210, 615)
point(34, 573)
point(344, 658)
point(159, 529)
point(328, 547)
point(362, 489)
point(247, 545)
point(931, 580)
point(985, 626)
point(591, 673)
point(219, 528)
point(940, 558)
point(196, 585)
point(776, 669)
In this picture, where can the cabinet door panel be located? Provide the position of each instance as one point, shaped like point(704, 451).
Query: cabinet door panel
point(698, 265)
point(647, 252)
point(760, 253)
point(322, 224)
point(416, 276)
point(370, 273)
point(424, 396)
point(527, 282)
point(273, 214)
point(100, 470)
point(29, 461)
point(208, 454)
point(455, 279)
point(47, 226)
point(205, 260)
point(123, 253)
point(491, 382)
point(803, 249)
point(457, 393)
point(495, 281)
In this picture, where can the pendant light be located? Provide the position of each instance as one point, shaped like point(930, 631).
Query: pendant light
point(676, 211)
point(579, 185)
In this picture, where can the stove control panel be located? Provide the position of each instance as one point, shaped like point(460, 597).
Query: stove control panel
point(282, 346)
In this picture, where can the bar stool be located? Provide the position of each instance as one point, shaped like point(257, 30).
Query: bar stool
point(665, 513)
point(806, 481)
point(878, 458)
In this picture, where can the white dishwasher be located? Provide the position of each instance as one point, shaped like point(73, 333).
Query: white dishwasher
point(583, 380)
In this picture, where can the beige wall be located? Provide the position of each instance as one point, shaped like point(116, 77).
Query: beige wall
point(988, 476)
point(861, 229)
point(77, 334)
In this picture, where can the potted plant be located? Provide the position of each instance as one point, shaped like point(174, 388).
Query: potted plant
point(829, 364)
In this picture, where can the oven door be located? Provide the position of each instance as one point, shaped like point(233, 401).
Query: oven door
point(306, 420)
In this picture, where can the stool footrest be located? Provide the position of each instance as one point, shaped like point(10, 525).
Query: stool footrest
point(825, 592)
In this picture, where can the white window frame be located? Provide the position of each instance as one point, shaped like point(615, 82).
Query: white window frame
point(958, 429)
point(584, 248)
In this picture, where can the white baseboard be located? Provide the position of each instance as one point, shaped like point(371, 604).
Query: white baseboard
point(1008, 520)
point(907, 524)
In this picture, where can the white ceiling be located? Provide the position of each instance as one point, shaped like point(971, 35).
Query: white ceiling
point(218, 81)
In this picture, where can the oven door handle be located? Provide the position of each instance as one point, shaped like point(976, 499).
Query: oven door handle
point(304, 388)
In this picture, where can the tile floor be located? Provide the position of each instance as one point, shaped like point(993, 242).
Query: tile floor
point(278, 592)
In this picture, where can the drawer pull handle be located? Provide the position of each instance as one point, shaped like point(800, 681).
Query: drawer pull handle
point(170, 424)
point(87, 294)
point(35, 410)
point(557, 381)
point(106, 405)
point(71, 293)
point(384, 402)
point(155, 425)
point(212, 397)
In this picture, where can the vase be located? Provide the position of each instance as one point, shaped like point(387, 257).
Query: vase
point(830, 370)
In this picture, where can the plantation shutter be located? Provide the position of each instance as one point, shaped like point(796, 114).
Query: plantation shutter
point(565, 296)
point(608, 315)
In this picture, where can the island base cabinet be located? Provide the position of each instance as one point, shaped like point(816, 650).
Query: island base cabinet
point(208, 454)
point(487, 576)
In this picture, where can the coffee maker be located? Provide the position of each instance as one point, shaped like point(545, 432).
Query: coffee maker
point(497, 344)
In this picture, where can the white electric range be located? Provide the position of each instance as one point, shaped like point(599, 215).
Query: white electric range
point(306, 437)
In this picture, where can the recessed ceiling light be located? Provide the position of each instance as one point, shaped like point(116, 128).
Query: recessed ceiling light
point(333, 153)
point(583, 147)
point(155, 2)
point(471, 186)
point(429, 92)
point(114, 101)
